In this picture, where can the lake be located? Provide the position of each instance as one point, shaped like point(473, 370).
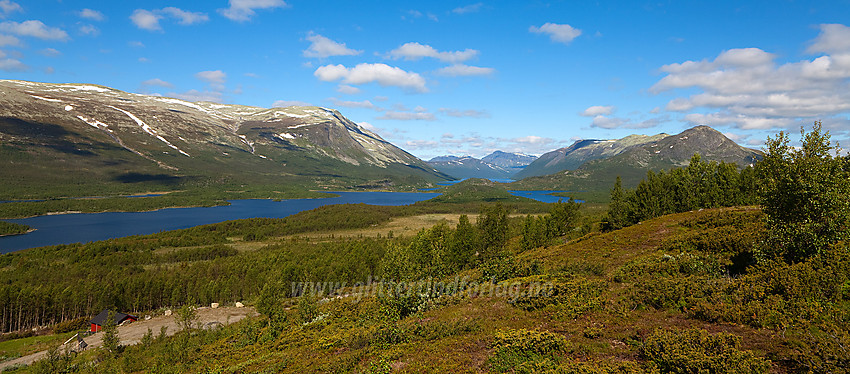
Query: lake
point(86, 227)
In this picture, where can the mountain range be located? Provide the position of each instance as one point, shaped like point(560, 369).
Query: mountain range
point(497, 165)
point(94, 138)
point(646, 153)
point(84, 140)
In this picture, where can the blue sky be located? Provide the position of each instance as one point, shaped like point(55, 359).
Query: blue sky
point(461, 78)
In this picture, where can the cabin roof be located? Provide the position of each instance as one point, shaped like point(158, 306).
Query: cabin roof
point(100, 319)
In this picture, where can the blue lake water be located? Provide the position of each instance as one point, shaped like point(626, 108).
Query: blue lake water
point(86, 227)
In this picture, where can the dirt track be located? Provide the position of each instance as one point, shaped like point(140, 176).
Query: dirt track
point(132, 333)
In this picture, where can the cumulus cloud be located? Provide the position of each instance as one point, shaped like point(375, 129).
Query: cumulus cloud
point(8, 7)
point(597, 110)
point(49, 52)
point(606, 122)
point(195, 95)
point(365, 104)
point(557, 32)
point(149, 19)
point(243, 10)
point(415, 51)
point(461, 70)
point(91, 14)
point(322, 47)
point(748, 89)
point(185, 17)
point(146, 20)
point(469, 113)
point(35, 29)
point(833, 38)
point(8, 40)
point(408, 116)
point(382, 74)
point(471, 8)
point(156, 82)
point(286, 103)
point(348, 90)
point(10, 64)
point(89, 30)
point(212, 76)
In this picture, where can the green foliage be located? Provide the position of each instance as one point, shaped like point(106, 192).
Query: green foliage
point(567, 300)
point(701, 185)
point(186, 316)
point(697, 351)
point(110, 335)
point(9, 228)
point(76, 324)
point(561, 220)
point(493, 229)
point(463, 244)
point(526, 351)
point(55, 362)
point(804, 193)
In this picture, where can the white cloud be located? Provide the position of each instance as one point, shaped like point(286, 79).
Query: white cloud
point(185, 17)
point(348, 90)
point(149, 19)
point(10, 64)
point(91, 14)
point(459, 70)
point(195, 95)
point(415, 51)
point(156, 82)
point(365, 104)
point(89, 30)
point(597, 110)
point(833, 38)
point(322, 47)
point(382, 74)
point(605, 122)
point(8, 40)
point(243, 10)
point(136, 44)
point(748, 89)
point(286, 103)
point(8, 7)
point(34, 28)
point(408, 116)
point(418, 14)
point(212, 76)
point(470, 113)
point(558, 33)
point(49, 52)
point(146, 20)
point(472, 8)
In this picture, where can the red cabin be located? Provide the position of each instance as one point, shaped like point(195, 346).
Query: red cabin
point(98, 321)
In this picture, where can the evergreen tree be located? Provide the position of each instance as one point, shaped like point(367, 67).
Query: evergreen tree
point(110, 334)
point(617, 216)
point(463, 244)
point(493, 226)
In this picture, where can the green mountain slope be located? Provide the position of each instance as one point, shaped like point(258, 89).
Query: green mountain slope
point(596, 177)
point(78, 139)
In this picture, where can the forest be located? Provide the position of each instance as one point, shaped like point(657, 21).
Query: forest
point(707, 268)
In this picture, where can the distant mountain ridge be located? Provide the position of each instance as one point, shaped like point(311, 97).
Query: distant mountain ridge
point(582, 151)
point(497, 165)
point(87, 134)
point(633, 162)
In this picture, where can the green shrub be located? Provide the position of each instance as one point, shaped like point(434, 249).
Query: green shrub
point(526, 351)
point(567, 300)
point(697, 351)
point(75, 324)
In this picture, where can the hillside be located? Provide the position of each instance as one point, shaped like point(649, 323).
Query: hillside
point(81, 140)
point(596, 177)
